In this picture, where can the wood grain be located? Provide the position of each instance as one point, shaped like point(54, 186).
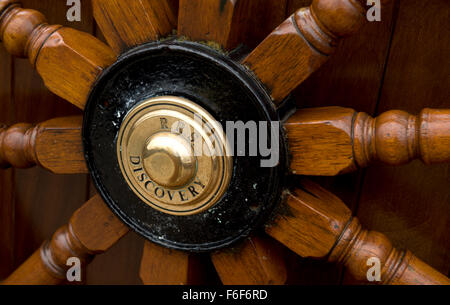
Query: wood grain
point(92, 230)
point(55, 145)
point(317, 224)
point(320, 141)
point(59, 146)
point(163, 266)
point(303, 43)
point(122, 260)
point(256, 261)
point(126, 24)
point(408, 203)
point(334, 140)
point(6, 176)
point(229, 23)
point(69, 61)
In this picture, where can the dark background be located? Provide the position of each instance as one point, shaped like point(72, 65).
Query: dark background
point(399, 63)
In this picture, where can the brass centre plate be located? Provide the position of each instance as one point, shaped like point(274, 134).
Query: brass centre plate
point(174, 155)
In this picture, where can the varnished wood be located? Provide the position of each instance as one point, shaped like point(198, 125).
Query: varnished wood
point(256, 261)
point(352, 79)
point(315, 223)
point(68, 60)
point(416, 168)
point(408, 202)
point(163, 266)
point(6, 176)
point(55, 145)
point(126, 24)
point(335, 140)
point(40, 202)
point(411, 76)
point(397, 137)
point(92, 230)
point(301, 44)
point(320, 141)
point(228, 23)
point(212, 21)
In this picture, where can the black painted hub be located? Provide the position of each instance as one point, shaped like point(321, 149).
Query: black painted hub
point(224, 88)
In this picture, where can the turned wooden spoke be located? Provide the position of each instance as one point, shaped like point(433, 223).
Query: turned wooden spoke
point(314, 223)
point(126, 24)
point(55, 145)
point(229, 23)
point(163, 266)
point(68, 61)
point(335, 140)
point(301, 44)
point(92, 230)
point(257, 261)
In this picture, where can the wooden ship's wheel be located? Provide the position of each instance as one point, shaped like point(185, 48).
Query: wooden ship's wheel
point(148, 177)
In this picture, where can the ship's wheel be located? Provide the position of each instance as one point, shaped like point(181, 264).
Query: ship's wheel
point(164, 87)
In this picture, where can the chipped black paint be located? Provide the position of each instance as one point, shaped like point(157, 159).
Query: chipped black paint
point(230, 93)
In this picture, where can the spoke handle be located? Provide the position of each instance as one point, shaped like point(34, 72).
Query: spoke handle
point(92, 230)
point(360, 249)
point(17, 146)
point(315, 223)
point(23, 31)
point(55, 145)
point(47, 265)
point(325, 22)
point(397, 137)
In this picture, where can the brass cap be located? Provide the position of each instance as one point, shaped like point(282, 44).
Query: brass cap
point(174, 155)
point(169, 160)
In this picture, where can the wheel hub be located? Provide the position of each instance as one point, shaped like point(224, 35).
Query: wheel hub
point(158, 147)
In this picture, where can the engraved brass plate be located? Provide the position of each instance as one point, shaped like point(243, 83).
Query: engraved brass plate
point(174, 155)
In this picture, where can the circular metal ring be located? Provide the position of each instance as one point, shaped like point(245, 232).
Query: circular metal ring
point(174, 155)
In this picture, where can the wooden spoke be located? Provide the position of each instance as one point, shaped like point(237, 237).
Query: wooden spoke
point(55, 145)
point(163, 266)
point(68, 61)
point(92, 230)
point(317, 224)
point(301, 44)
point(257, 261)
point(126, 24)
point(333, 140)
point(229, 23)
point(212, 20)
